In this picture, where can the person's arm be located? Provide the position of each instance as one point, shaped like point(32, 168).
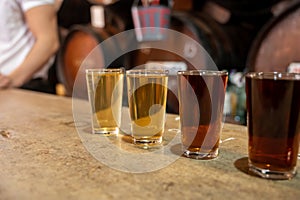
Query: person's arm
point(4, 81)
point(42, 23)
point(57, 4)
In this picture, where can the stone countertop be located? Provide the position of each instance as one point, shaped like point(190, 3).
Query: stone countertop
point(42, 156)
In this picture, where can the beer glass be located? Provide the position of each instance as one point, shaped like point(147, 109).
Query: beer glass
point(201, 102)
point(105, 90)
point(147, 96)
point(273, 105)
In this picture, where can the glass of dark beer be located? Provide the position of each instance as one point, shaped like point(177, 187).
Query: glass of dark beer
point(273, 104)
point(201, 101)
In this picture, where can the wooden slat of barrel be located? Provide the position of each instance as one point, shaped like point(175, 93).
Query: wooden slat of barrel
point(278, 43)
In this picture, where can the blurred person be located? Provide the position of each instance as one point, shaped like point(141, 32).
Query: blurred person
point(28, 43)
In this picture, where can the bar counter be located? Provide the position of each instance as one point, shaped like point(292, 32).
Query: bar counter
point(42, 156)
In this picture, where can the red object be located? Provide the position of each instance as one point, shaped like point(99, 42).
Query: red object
point(156, 17)
point(154, 2)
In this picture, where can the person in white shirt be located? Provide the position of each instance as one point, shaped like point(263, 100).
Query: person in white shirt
point(28, 41)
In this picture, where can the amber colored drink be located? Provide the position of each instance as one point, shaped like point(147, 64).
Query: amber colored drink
point(147, 96)
point(105, 88)
point(273, 104)
point(201, 102)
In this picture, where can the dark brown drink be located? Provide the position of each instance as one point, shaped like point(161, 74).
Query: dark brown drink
point(273, 104)
point(201, 101)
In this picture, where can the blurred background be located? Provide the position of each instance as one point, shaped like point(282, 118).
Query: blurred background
point(239, 35)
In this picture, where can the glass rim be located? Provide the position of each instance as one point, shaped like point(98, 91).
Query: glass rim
point(105, 70)
point(273, 75)
point(202, 72)
point(147, 72)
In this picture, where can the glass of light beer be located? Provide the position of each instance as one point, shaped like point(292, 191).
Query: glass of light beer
point(201, 101)
point(147, 96)
point(105, 90)
point(273, 104)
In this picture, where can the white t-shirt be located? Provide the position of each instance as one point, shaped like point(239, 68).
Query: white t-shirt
point(16, 40)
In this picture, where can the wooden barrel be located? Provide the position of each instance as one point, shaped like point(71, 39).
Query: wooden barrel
point(278, 43)
point(227, 45)
point(78, 44)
